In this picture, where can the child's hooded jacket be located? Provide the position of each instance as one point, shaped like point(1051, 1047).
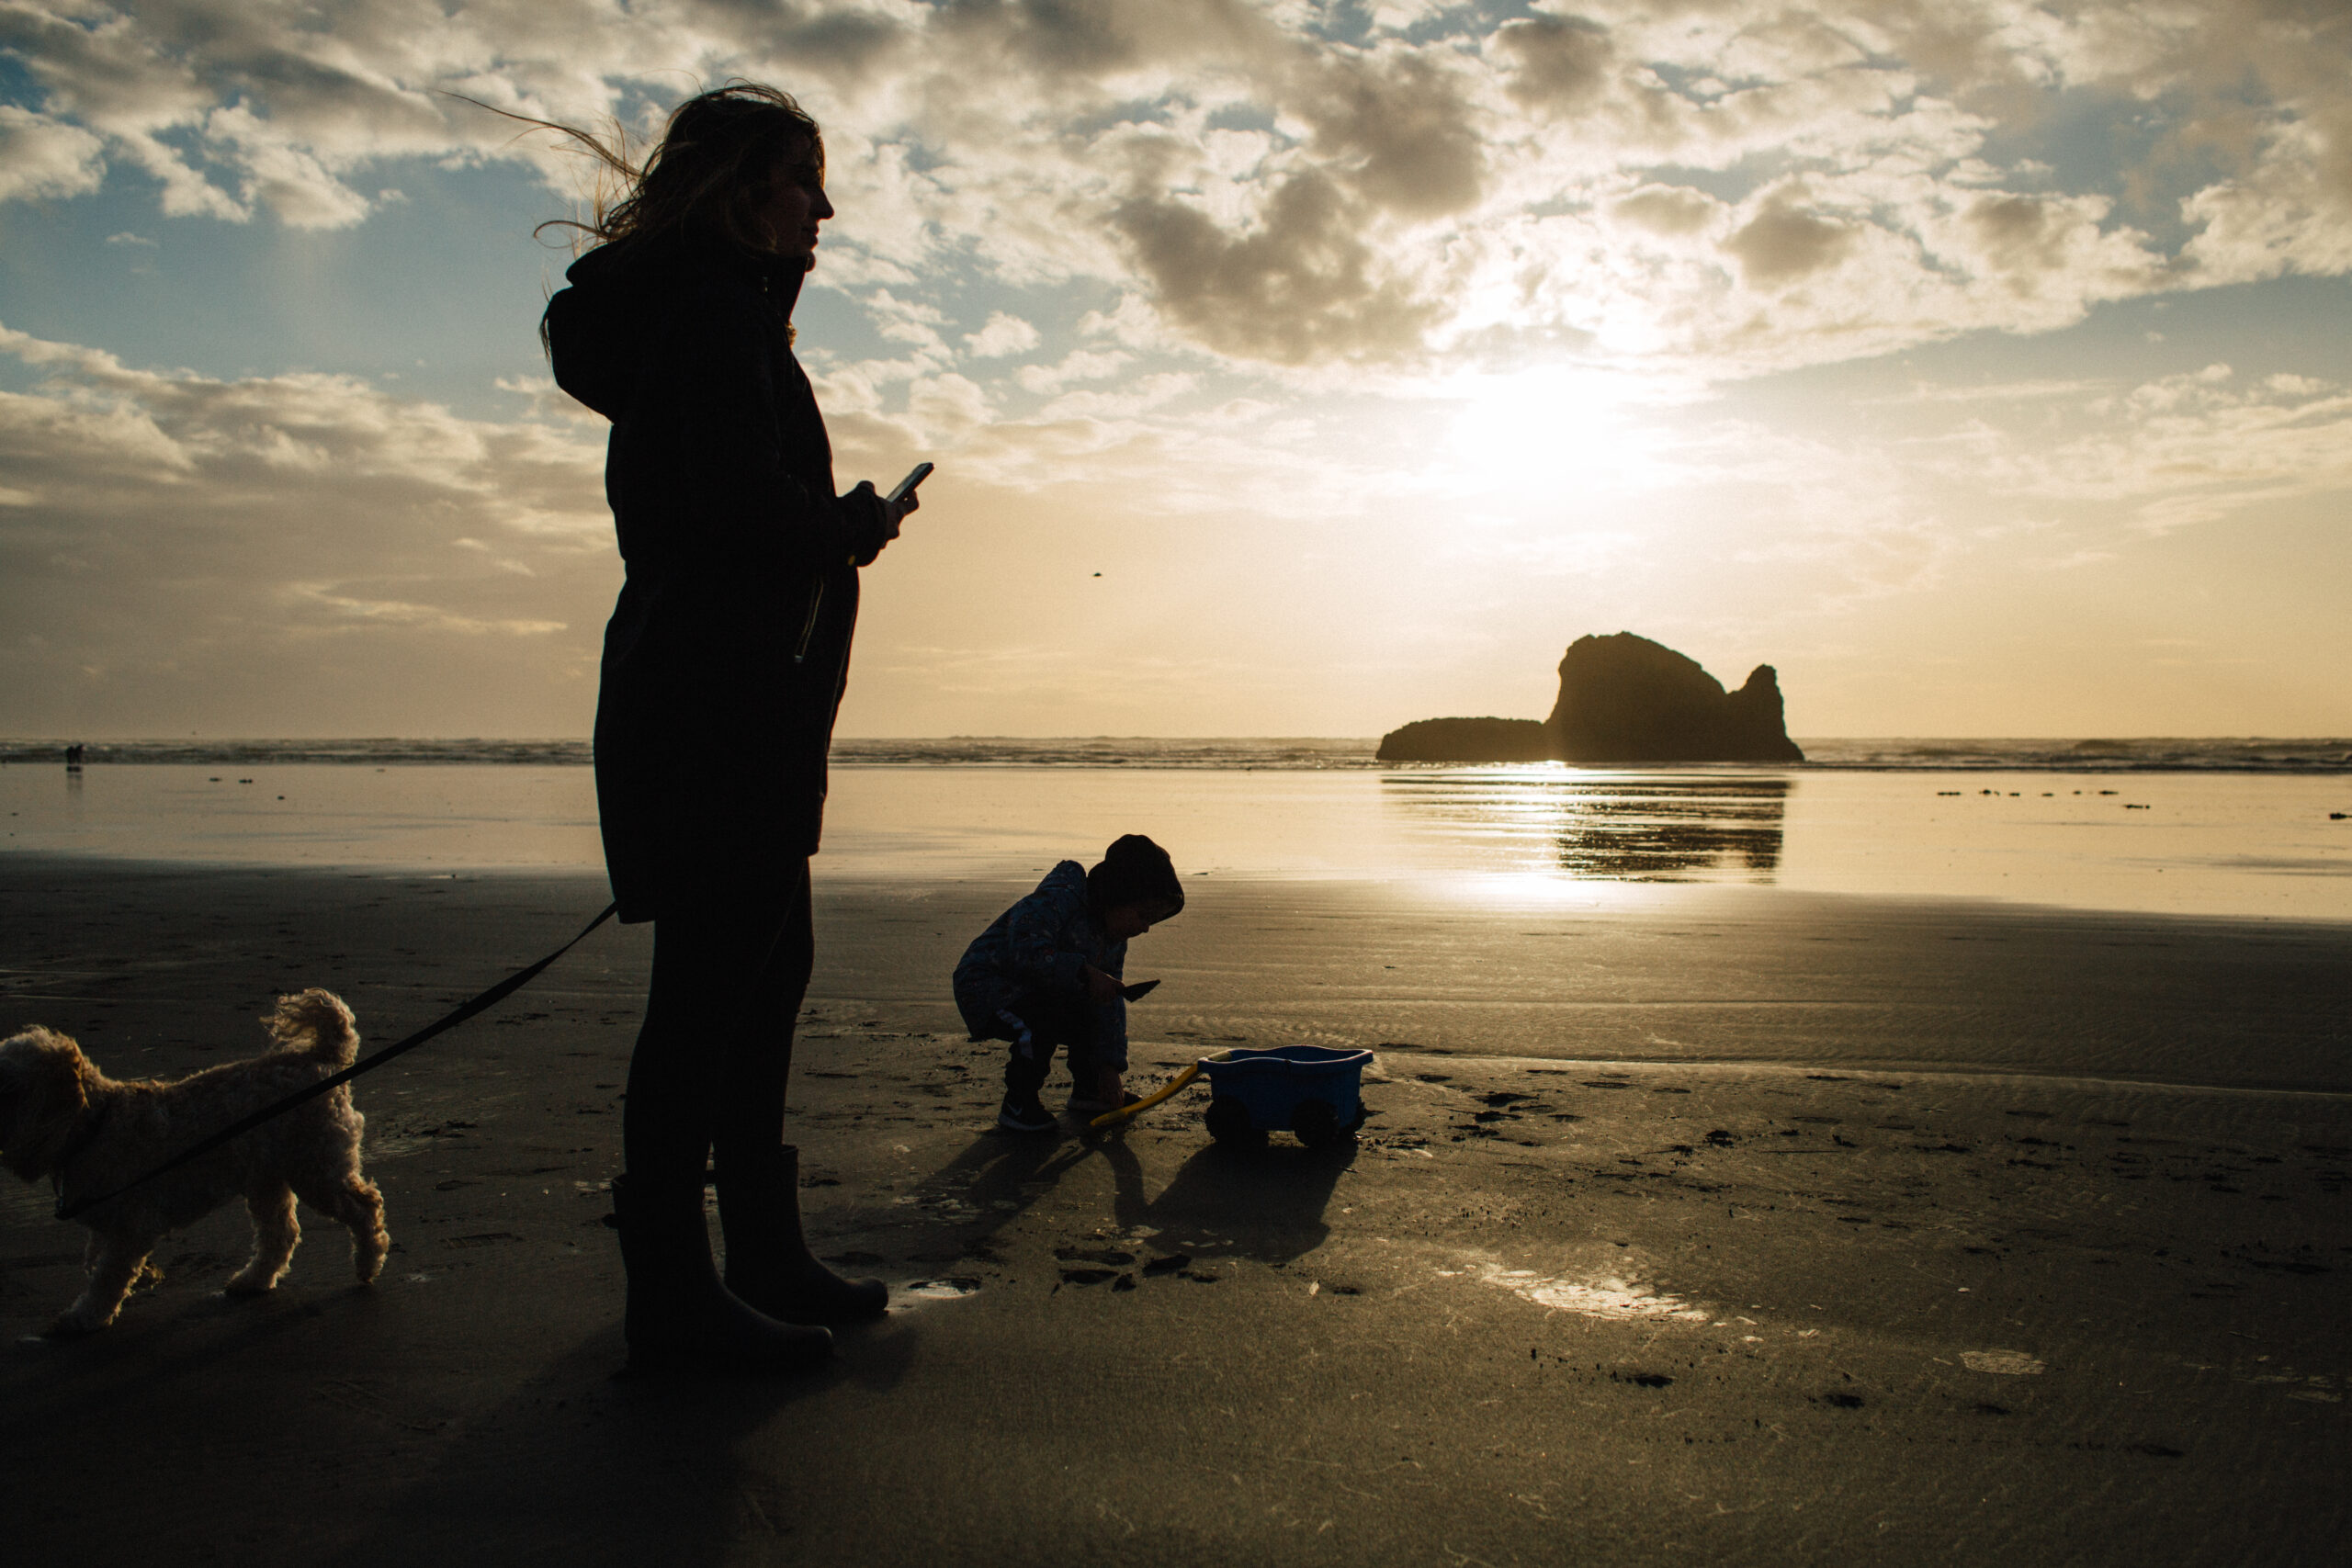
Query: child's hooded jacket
point(1041, 944)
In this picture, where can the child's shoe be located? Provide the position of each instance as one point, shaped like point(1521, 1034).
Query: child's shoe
point(1023, 1112)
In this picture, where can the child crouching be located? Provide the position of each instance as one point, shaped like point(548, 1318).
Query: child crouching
point(1048, 972)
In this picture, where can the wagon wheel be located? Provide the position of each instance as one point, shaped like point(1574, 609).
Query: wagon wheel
point(1319, 1126)
point(1228, 1121)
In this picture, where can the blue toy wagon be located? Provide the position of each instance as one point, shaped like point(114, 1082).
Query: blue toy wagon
point(1312, 1090)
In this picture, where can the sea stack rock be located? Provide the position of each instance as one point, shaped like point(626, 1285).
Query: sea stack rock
point(1469, 740)
point(1627, 699)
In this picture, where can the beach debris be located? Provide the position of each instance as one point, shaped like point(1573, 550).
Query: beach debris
point(1110, 1256)
point(2004, 1363)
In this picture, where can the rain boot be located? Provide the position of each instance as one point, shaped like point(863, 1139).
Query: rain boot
point(768, 1261)
point(680, 1317)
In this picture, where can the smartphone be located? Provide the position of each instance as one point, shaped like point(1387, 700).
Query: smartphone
point(915, 476)
point(1139, 990)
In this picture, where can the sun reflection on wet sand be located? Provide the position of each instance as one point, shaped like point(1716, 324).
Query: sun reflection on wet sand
point(1610, 1298)
point(1543, 835)
point(1606, 826)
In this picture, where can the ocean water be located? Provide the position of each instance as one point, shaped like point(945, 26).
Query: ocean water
point(2251, 754)
point(2234, 828)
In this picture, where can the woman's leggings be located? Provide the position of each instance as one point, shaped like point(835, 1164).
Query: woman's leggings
point(714, 1053)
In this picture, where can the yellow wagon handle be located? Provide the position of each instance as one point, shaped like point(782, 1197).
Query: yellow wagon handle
point(1125, 1112)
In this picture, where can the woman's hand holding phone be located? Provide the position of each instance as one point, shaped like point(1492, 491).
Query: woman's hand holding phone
point(902, 499)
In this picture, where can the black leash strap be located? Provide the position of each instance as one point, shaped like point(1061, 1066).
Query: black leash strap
point(369, 1062)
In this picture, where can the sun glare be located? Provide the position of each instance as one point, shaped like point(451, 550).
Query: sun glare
point(1547, 431)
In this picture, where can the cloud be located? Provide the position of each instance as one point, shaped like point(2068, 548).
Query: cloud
point(1086, 40)
point(1669, 210)
point(1399, 130)
point(2019, 231)
point(1001, 337)
point(1782, 245)
point(297, 552)
point(907, 320)
point(1557, 65)
point(1664, 185)
point(944, 407)
point(44, 157)
point(2195, 448)
point(278, 107)
point(1079, 365)
point(343, 610)
point(1300, 285)
point(2291, 212)
point(1126, 400)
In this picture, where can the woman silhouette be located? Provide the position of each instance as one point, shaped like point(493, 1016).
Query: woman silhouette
point(724, 665)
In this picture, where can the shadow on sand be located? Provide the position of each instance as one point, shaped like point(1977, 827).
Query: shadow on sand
point(1262, 1203)
point(584, 1465)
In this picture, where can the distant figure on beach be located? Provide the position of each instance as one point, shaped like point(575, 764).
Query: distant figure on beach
point(73, 758)
point(729, 644)
point(1049, 972)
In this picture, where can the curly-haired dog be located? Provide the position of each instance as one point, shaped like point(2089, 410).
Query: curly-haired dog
point(63, 1119)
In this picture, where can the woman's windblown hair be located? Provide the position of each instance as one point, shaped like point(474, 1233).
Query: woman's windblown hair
point(719, 152)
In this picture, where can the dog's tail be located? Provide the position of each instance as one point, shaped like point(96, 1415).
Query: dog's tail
point(316, 1024)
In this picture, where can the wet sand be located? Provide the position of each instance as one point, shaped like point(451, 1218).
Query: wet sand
point(1723, 1225)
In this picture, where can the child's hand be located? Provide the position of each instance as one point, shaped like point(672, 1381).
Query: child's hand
point(1099, 986)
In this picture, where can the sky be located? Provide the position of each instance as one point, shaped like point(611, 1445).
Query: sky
point(1291, 368)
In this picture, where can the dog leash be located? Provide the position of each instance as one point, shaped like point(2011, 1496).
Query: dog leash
point(369, 1062)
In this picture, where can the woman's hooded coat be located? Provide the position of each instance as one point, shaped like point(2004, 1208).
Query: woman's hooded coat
point(727, 652)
